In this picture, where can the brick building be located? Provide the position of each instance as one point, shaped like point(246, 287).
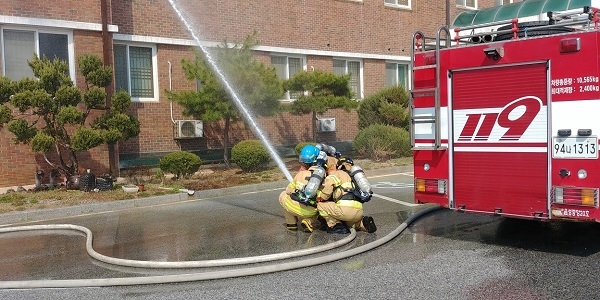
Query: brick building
point(145, 41)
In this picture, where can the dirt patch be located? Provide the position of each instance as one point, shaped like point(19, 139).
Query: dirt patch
point(209, 177)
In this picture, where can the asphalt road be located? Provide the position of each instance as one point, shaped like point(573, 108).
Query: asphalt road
point(443, 255)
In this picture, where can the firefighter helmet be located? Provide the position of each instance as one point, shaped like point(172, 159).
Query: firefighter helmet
point(308, 154)
point(345, 163)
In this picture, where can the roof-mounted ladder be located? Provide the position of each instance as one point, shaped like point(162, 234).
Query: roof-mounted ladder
point(420, 43)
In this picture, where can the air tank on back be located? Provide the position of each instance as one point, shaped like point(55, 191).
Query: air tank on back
point(330, 150)
point(361, 180)
point(311, 188)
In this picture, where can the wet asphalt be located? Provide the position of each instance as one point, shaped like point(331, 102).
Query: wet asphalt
point(210, 225)
point(443, 255)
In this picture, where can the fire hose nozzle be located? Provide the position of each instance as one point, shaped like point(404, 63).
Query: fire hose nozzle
point(187, 191)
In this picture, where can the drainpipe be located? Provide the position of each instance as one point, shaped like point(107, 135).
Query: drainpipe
point(171, 98)
point(107, 52)
point(170, 89)
point(448, 13)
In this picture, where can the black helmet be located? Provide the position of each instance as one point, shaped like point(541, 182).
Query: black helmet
point(345, 163)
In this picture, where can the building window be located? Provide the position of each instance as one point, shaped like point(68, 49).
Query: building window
point(467, 3)
point(398, 3)
point(352, 67)
point(286, 67)
point(502, 2)
point(20, 45)
point(135, 71)
point(396, 74)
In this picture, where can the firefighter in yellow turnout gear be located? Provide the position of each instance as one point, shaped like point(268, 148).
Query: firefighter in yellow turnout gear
point(340, 202)
point(298, 203)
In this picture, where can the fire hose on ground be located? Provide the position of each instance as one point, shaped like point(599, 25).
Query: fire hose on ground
point(103, 282)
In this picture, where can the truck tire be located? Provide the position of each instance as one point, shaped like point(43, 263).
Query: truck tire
point(531, 30)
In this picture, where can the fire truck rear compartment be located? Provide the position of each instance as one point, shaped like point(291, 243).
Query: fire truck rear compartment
point(500, 156)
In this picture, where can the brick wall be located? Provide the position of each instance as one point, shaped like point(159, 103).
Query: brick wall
point(328, 25)
point(367, 27)
point(148, 18)
point(18, 164)
point(70, 10)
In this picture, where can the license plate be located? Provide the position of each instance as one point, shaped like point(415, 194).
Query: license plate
point(575, 147)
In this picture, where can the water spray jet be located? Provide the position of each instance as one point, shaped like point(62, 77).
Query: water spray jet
point(236, 99)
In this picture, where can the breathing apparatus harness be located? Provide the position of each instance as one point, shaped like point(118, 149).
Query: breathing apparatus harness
point(308, 194)
point(361, 188)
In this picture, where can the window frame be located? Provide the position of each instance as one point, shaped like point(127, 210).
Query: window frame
point(396, 79)
point(37, 31)
point(361, 78)
point(287, 95)
point(395, 4)
point(154, 59)
point(464, 4)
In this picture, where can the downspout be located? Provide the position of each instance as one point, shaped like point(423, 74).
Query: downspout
point(107, 44)
point(171, 97)
point(170, 89)
point(448, 13)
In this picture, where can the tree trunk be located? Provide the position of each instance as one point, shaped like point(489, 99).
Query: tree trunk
point(314, 126)
point(226, 142)
point(107, 53)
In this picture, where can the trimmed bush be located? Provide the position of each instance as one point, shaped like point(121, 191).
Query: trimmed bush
point(181, 163)
point(382, 142)
point(250, 155)
point(301, 145)
point(388, 106)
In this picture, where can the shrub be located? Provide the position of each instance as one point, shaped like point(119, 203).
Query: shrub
point(250, 155)
point(301, 145)
point(382, 142)
point(181, 163)
point(388, 106)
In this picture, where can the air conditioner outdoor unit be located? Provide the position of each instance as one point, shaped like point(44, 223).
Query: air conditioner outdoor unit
point(189, 128)
point(327, 124)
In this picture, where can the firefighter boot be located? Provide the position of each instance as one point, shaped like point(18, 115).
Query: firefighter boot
point(291, 227)
point(306, 225)
point(340, 228)
point(322, 223)
point(369, 224)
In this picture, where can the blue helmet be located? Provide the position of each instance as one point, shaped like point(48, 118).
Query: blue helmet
point(308, 154)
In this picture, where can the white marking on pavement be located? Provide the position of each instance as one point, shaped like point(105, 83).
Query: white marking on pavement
point(392, 185)
point(394, 174)
point(394, 200)
point(260, 191)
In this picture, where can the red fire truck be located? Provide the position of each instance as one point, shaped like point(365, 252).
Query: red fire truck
point(506, 115)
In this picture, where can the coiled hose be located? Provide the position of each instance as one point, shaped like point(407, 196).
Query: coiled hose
point(100, 282)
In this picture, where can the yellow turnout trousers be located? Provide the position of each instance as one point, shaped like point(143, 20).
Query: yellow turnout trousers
point(348, 211)
point(292, 210)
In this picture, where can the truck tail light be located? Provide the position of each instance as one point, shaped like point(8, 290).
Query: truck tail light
point(576, 196)
point(570, 45)
point(430, 185)
point(430, 59)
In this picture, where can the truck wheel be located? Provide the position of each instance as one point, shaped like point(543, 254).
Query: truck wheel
point(531, 30)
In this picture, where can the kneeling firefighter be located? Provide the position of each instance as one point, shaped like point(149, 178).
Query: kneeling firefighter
point(299, 198)
point(341, 199)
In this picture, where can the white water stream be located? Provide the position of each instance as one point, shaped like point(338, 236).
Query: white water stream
point(237, 100)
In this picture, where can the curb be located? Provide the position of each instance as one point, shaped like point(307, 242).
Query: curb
point(83, 209)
